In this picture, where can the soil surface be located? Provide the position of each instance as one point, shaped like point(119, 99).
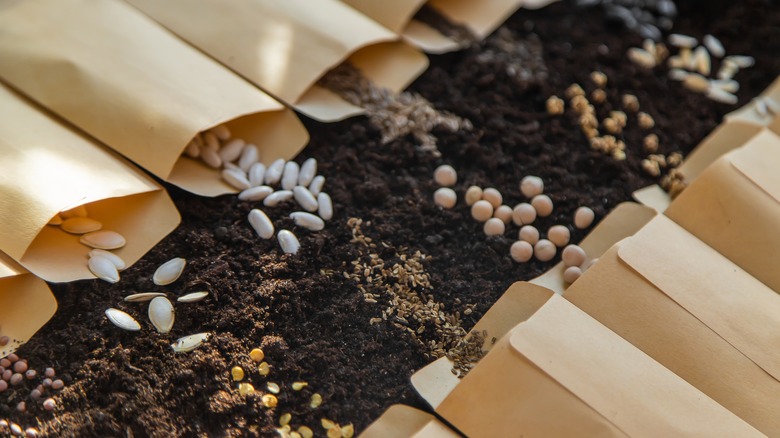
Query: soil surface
point(313, 322)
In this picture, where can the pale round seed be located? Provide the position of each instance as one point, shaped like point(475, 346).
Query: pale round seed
point(494, 227)
point(325, 206)
point(559, 235)
point(237, 373)
point(274, 172)
point(210, 157)
point(80, 225)
point(49, 372)
point(719, 95)
point(277, 198)
point(103, 239)
point(20, 366)
point(543, 205)
point(49, 404)
point(573, 255)
point(290, 175)
point(236, 178)
point(103, 268)
point(255, 193)
point(529, 233)
point(473, 194)
point(3, 386)
point(21, 406)
point(115, 259)
point(257, 174)
point(249, 156)
point(46, 383)
point(531, 186)
point(261, 223)
point(696, 82)
point(503, 212)
point(57, 384)
point(521, 251)
point(16, 379)
point(445, 197)
point(544, 250)
point(583, 217)
point(493, 196)
point(481, 210)
point(571, 274)
point(523, 214)
point(35, 394)
point(308, 172)
point(305, 199)
point(169, 271)
point(445, 175)
point(307, 220)
point(161, 314)
point(288, 242)
point(232, 150)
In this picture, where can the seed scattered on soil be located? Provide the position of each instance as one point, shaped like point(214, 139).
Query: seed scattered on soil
point(473, 194)
point(583, 217)
point(169, 271)
point(285, 419)
point(246, 389)
point(445, 197)
point(297, 386)
point(257, 355)
point(504, 213)
point(521, 251)
point(554, 105)
point(316, 400)
point(445, 175)
point(237, 373)
point(573, 255)
point(273, 388)
point(544, 250)
point(559, 235)
point(543, 205)
point(531, 186)
point(523, 214)
point(482, 210)
point(493, 196)
point(494, 227)
point(270, 401)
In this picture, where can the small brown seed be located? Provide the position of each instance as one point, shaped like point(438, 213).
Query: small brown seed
point(599, 79)
point(4, 341)
point(493, 196)
point(246, 389)
point(273, 388)
point(529, 233)
point(523, 214)
point(554, 105)
point(559, 235)
point(573, 255)
point(16, 379)
point(20, 366)
point(645, 120)
point(630, 103)
point(531, 186)
point(21, 406)
point(57, 384)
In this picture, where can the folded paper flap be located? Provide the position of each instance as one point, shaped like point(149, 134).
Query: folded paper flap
point(393, 15)
point(398, 421)
point(626, 386)
point(750, 115)
point(726, 137)
point(728, 300)
point(392, 65)
point(323, 105)
point(26, 304)
point(484, 16)
point(428, 39)
point(9, 267)
point(759, 160)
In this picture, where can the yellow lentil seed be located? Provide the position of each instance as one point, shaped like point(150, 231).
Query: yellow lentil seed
point(284, 420)
point(316, 400)
point(264, 368)
point(297, 386)
point(246, 389)
point(237, 373)
point(257, 355)
point(306, 432)
point(327, 424)
point(270, 401)
point(348, 431)
point(334, 433)
point(295, 434)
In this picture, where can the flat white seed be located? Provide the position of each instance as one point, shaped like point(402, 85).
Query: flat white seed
point(288, 242)
point(103, 239)
point(473, 194)
point(559, 235)
point(169, 271)
point(571, 274)
point(445, 175)
point(80, 225)
point(161, 314)
point(55, 221)
point(192, 297)
point(307, 220)
point(482, 210)
point(274, 172)
point(677, 74)
point(236, 178)
point(494, 227)
point(714, 46)
point(521, 251)
point(103, 269)
point(277, 197)
point(115, 259)
point(261, 223)
point(445, 197)
point(232, 150)
point(80, 211)
point(192, 150)
point(143, 296)
point(544, 250)
point(189, 343)
point(741, 61)
point(308, 172)
point(226, 165)
point(210, 141)
point(503, 212)
point(721, 96)
point(728, 85)
point(696, 82)
point(493, 196)
point(222, 132)
point(249, 156)
point(528, 233)
point(316, 185)
point(727, 71)
point(686, 41)
point(523, 214)
point(543, 205)
point(325, 206)
point(531, 186)
point(641, 57)
point(211, 158)
point(255, 193)
point(122, 320)
point(702, 61)
point(290, 175)
point(304, 198)
point(257, 174)
point(573, 255)
point(583, 217)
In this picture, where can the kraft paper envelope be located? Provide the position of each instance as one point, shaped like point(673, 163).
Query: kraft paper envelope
point(436, 380)
point(734, 206)
point(562, 373)
point(47, 167)
point(693, 311)
point(285, 47)
point(401, 421)
point(26, 304)
point(483, 17)
point(122, 78)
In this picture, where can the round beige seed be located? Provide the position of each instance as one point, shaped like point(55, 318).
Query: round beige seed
point(494, 226)
point(257, 355)
point(316, 400)
point(445, 175)
point(543, 205)
point(529, 233)
point(583, 217)
point(493, 196)
point(523, 214)
point(445, 197)
point(521, 251)
point(481, 210)
point(237, 373)
point(571, 274)
point(573, 255)
point(559, 235)
point(531, 186)
point(473, 194)
point(503, 212)
point(544, 250)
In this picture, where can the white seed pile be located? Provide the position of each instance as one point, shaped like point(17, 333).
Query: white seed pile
point(103, 263)
point(693, 65)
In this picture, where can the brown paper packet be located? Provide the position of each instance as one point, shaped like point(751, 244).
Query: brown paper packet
point(400, 421)
point(483, 17)
point(562, 373)
point(48, 167)
point(734, 206)
point(691, 310)
point(117, 75)
point(285, 47)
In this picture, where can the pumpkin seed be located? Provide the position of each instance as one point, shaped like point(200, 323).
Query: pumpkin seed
point(189, 343)
point(103, 240)
point(143, 296)
point(161, 314)
point(103, 269)
point(192, 297)
point(80, 225)
point(122, 320)
point(169, 271)
point(115, 259)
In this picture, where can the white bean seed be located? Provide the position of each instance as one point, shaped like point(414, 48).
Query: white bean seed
point(445, 197)
point(721, 96)
point(678, 74)
point(543, 205)
point(232, 150)
point(493, 196)
point(571, 274)
point(274, 172)
point(523, 214)
point(290, 175)
point(445, 175)
point(686, 41)
point(528, 233)
point(325, 208)
point(531, 186)
point(277, 197)
point(192, 150)
point(288, 242)
point(481, 210)
point(728, 85)
point(249, 156)
point(257, 174)
point(473, 194)
point(211, 158)
point(494, 227)
point(641, 57)
point(559, 235)
point(714, 46)
point(521, 251)
point(261, 223)
point(210, 141)
point(236, 178)
point(702, 60)
point(544, 250)
point(307, 220)
point(696, 82)
point(741, 61)
point(304, 198)
point(503, 212)
point(308, 172)
point(255, 193)
point(573, 255)
point(316, 185)
point(221, 131)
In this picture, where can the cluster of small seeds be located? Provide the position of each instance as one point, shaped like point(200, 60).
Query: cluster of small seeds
point(334, 430)
point(103, 263)
point(15, 375)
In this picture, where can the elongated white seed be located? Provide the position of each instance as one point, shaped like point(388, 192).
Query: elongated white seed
point(641, 57)
point(721, 96)
point(143, 296)
point(104, 239)
point(236, 178)
point(257, 174)
point(122, 320)
point(261, 223)
point(679, 40)
point(308, 172)
point(274, 172)
point(761, 107)
point(189, 343)
point(255, 193)
point(211, 158)
point(729, 85)
point(80, 225)
point(192, 150)
point(277, 197)
point(103, 269)
point(192, 297)
point(288, 242)
point(169, 271)
point(221, 131)
point(211, 142)
point(249, 156)
point(161, 314)
point(290, 175)
point(531, 186)
point(714, 46)
point(305, 199)
point(677, 74)
point(696, 82)
point(702, 60)
point(80, 211)
point(232, 150)
point(741, 61)
point(445, 197)
point(307, 220)
point(316, 185)
point(325, 206)
point(115, 259)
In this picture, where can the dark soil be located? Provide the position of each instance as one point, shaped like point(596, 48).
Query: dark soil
point(313, 323)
